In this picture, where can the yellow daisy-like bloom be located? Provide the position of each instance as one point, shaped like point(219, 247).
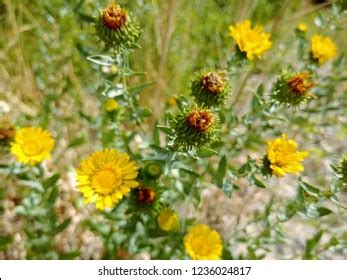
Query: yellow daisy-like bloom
point(322, 48)
point(203, 243)
point(105, 177)
point(252, 41)
point(284, 157)
point(168, 220)
point(32, 145)
point(302, 27)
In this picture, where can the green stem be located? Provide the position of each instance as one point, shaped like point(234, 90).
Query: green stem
point(243, 84)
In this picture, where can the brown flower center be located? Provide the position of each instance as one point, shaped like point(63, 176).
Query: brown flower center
point(200, 120)
point(114, 17)
point(213, 82)
point(299, 84)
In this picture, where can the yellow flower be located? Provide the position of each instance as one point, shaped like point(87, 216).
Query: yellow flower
point(302, 27)
point(252, 41)
point(203, 243)
point(284, 157)
point(111, 105)
point(32, 145)
point(105, 177)
point(168, 220)
point(322, 48)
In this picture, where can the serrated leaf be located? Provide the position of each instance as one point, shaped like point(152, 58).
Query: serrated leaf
point(259, 183)
point(257, 98)
point(5, 241)
point(144, 113)
point(156, 135)
point(53, 195)
point(310, 189)
point(206, 152)
point(335, 199)
point(138, 89)
point(86, 18)
point(323, 211)
point(114, 91)
point(102, 60)
point(51, 181)
point(315, 212)
point(311, 244)
point(189, 172)
point(62, 226)
point(222, 168)
point(77, 141)
point(165, 129)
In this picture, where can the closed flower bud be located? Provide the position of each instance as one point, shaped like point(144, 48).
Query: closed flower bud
point(193, 128)
point(210, 89)
point(171, 101)
point(117, 28)
point(111, 105)
point(153, 170)
point(293, 89)
point(168, 220)
point(7, 133)
point(302, 27)
point(146, 195)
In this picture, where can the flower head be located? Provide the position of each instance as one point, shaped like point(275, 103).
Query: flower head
point(193, 127)
point(210, 88)
point(168, 220)
point(252, 41)
point(203, 243)
point(105, 177)
point(283, 157)
point(292, 89)
point(117, 28)
point(302, 27)
point(32, 145)
point(322, 48)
